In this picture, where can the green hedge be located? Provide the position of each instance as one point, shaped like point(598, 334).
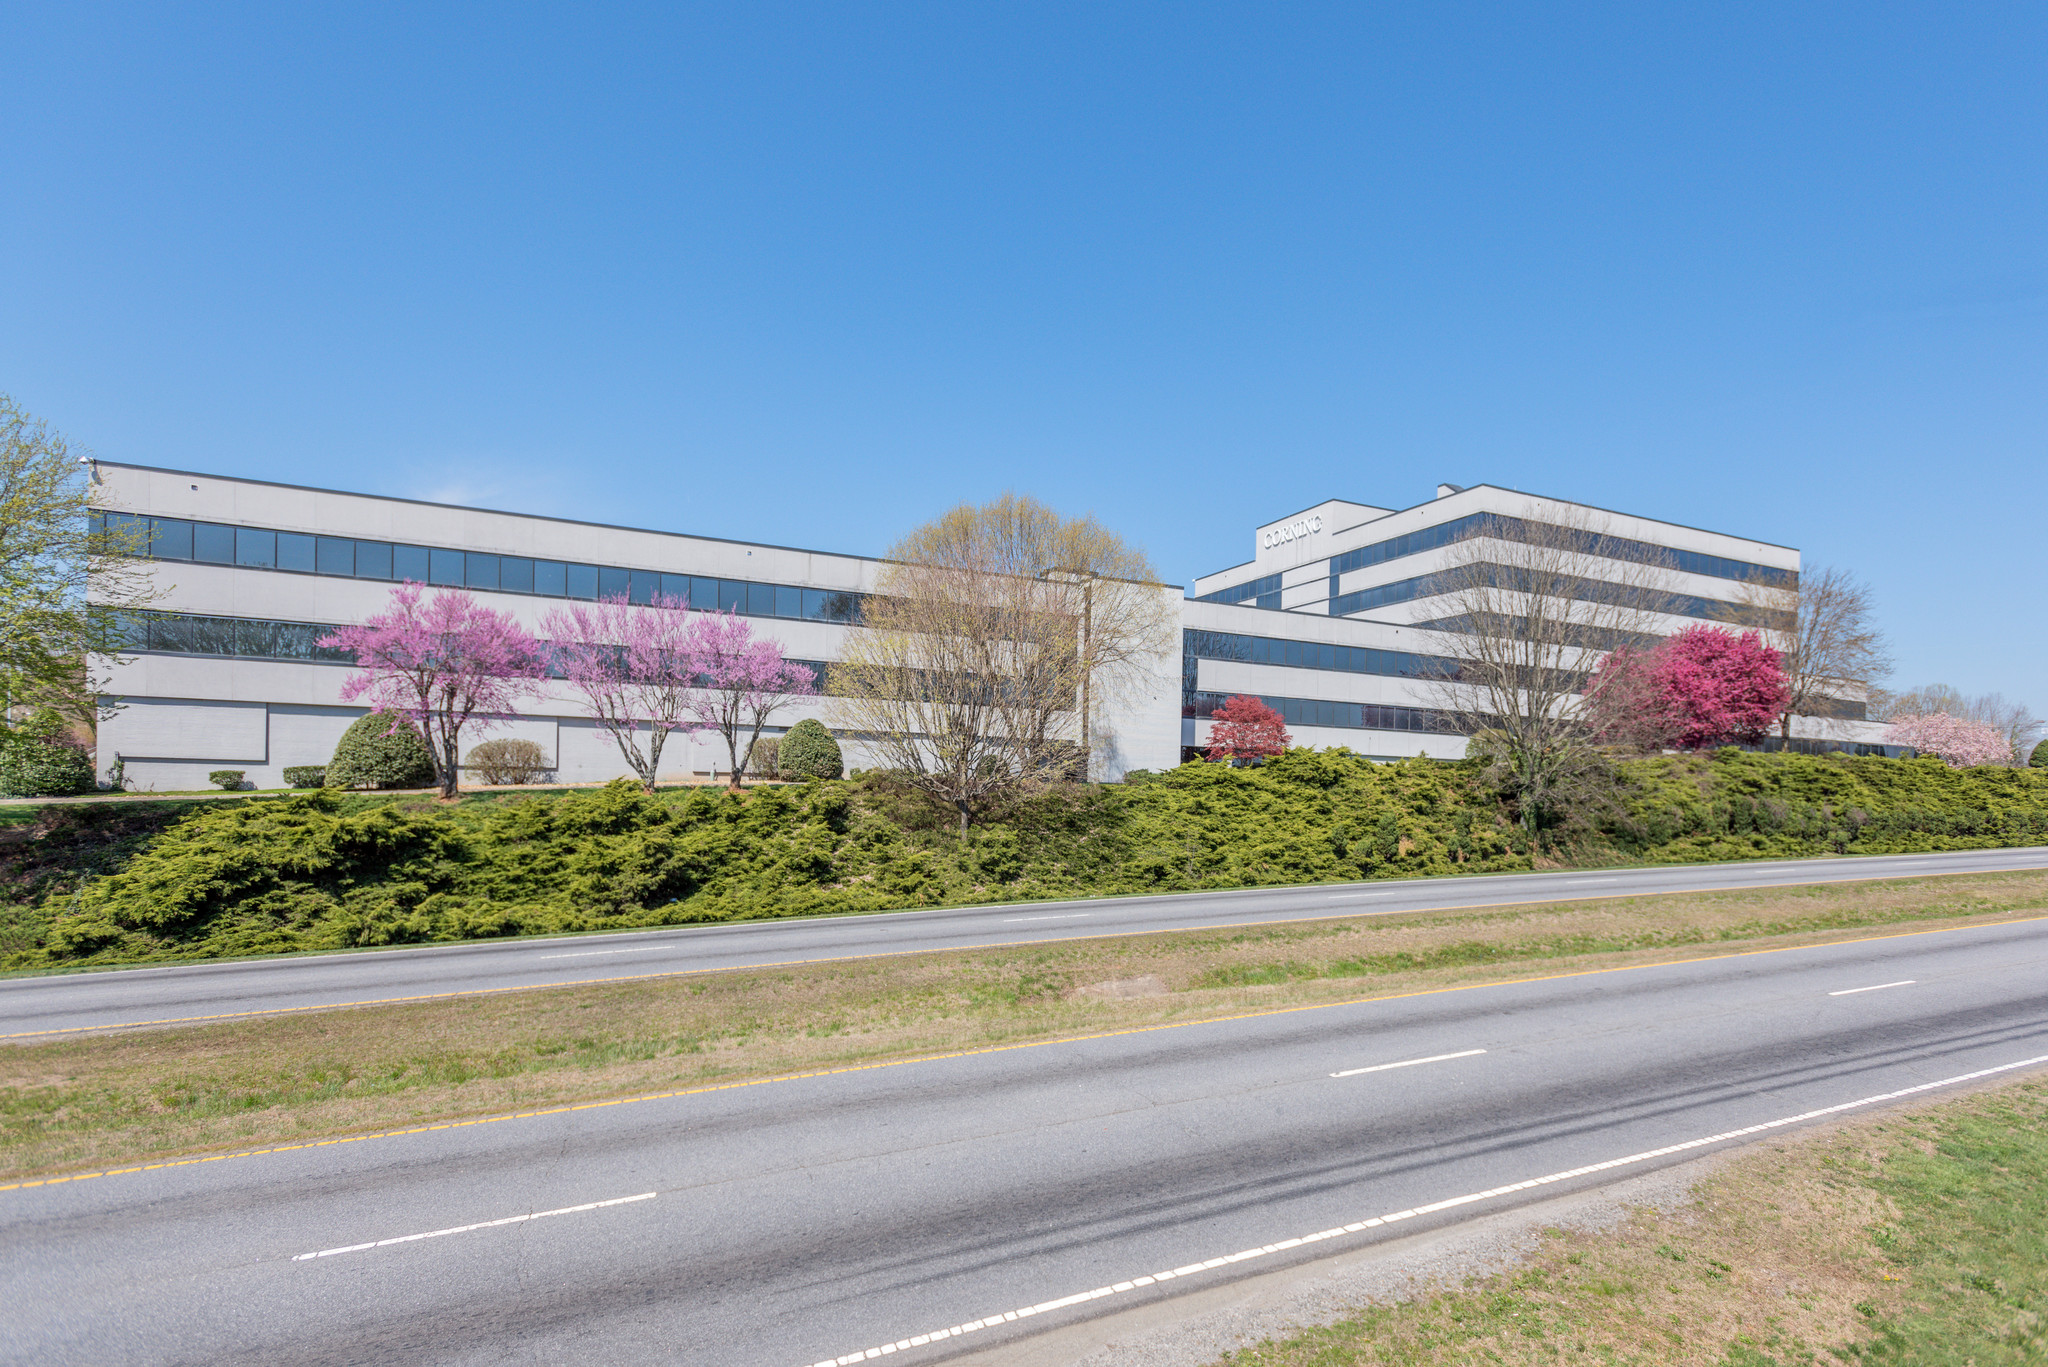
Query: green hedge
point(381, 751)
point(37, 759)
point(327, 869)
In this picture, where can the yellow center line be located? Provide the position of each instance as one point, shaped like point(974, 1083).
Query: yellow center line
point(574, 1107)
point(994, 944)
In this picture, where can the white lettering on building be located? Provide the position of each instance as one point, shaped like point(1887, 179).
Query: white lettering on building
point(1292, 531)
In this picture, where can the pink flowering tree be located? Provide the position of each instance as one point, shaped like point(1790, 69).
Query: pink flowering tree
point(447, 664)
point(1961, 744)
point(741, 682)
point(636, 667)
point(1716, 687)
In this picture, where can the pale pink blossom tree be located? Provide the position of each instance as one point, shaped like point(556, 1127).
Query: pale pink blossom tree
point(636, 666)
point(1961, 743)
point(447, 664)
point(741, 682)
point(1716, 687)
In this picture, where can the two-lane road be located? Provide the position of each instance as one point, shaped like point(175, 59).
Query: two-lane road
point(940, 1206)
point(39, 1006)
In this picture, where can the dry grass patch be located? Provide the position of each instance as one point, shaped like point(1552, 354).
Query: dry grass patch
point(115, 1098)
point(1920, 1238)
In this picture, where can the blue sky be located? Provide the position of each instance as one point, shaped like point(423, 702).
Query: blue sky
point(810, 274)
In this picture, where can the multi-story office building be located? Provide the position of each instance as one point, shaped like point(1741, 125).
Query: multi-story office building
point(1326, 621)
point(1345, 610)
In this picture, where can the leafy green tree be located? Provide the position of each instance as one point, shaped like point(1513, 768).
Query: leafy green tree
point(53, 635)
point(381, 750)
point(808, 751)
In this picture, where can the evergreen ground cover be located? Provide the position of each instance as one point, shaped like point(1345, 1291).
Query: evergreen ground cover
point(329, 870)
point(1917, 1238)
point(117, 1097)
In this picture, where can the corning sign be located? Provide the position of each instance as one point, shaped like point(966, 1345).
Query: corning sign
point(1292, 531)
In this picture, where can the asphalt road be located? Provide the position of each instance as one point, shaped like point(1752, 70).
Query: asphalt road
point(39, 1006)
point(798, 1222)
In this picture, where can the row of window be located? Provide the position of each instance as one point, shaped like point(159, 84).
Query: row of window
point(1267, 588)
point(213, 543)
point(1517, 529)
point(1272, 650)
point(1504, 576)
point(1323, 712)
point(177, 633)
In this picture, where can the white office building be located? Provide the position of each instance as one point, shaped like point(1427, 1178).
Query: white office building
point(1325, 621)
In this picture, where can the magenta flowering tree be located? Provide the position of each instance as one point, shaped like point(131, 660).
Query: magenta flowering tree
point(1622, 705)
point(447, 663)
point(1715, 686)
point(1962, 744)
point(741, 682)
point(636, 667)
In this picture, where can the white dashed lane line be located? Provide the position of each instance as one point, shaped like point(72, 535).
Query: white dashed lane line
point(593, 953)
point(1071, 916)
point(465, 1229)
point(1879, 987)
point(1407, 1063)
point(1357, 1227)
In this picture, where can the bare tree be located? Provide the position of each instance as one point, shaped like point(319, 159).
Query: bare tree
point(1526, 615)
point(1823, 631)
point(991, 632)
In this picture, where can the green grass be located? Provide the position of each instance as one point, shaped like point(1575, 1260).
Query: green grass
point(1916, 1239)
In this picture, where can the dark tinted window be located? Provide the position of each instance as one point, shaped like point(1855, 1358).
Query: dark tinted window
point(373, 560)
point(480, 571)
point(677, 587)
point(295, 551)
point(444, 567)
point(761, 600)
point(210, 635)
point(255, 549)
point(703, 593)
point(645, 585)
point(334, 555)
point(612, 583)
point(515, 574)
point(814, 604)
point(789, 602)
point(583, 581)
point(408, 563)
point(732, 596)
point(170, 538)
point(550, 577)
point(213, 543)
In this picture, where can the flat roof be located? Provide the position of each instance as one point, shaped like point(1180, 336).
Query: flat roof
point(467, 508)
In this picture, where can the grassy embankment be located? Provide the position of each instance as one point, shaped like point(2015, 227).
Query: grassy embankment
point(121, 883)
point(1917, 1238)
point(95, 1100)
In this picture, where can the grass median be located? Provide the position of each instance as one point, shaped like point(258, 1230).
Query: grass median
point(1920, 1237)
point(115, 1098)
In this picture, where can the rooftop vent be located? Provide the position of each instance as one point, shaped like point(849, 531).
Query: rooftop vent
point(1446, 490)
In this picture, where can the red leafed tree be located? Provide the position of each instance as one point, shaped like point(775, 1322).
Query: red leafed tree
point(1245, 728)
point(1716, 687)
point(447, 663)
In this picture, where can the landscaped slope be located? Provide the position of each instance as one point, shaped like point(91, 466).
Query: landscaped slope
point(328, 870)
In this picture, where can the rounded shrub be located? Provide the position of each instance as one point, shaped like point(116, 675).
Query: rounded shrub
point(305, 776)
point(2040, 757)
point(808, 751)
point(763, 758)
point(38, 759)
point(381, 751)
point(508, 761)
point(227, 780)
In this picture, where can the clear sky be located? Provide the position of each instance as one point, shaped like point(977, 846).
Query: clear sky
point(811, 273)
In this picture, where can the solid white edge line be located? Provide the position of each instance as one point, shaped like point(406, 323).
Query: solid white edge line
point(1852, 991)
point(483, 1224)
point(1407, 1063)
point(1359, 1226)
